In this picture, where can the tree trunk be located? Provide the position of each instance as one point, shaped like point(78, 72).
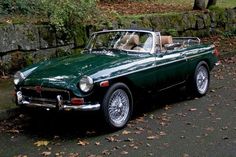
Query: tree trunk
point(211, 3)
point(199, 5)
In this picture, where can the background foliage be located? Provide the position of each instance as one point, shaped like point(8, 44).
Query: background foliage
point(64, 15)
point(20, 7)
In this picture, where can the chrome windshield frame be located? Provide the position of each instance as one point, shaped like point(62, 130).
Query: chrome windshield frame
point(154, 36)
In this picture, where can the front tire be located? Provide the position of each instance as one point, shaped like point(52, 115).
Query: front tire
point(117, 106)
point(201, 79)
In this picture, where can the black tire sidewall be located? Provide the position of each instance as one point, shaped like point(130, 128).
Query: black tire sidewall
point(105, 104)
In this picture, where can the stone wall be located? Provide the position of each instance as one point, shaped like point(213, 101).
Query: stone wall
point(24, 44)
point(185, 24)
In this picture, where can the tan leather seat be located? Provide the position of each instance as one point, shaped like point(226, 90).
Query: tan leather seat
point(129, 42)
point(166, 40)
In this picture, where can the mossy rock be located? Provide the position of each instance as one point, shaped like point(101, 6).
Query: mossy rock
point(47, 36)
point(64, 38)
point(189, 21)
point(17, 61)
point(231, 15)
point(27, 37)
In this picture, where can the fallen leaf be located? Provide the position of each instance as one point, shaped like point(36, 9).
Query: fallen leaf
point(192, 109)
point(151, 116)
point(224, 128)
point(125, 132)
point(140, 128)
point(97, 143)
point(162, 123)
point(210, 129)
point(60, 154)
point(153, 137)
point(129, 140)
point(209, 109)
point(213, 91)
point(90, 132)
point(124, 152)
point(182, 137)
point(162, 133)
point(56, 137)
point(167, 107)
point(137, 132)
point(83, 143)
point(110, 139)
point(46, 153)
point(106, 152)
point(92, 155)
point(73, 155)
point(13, 131)
point(185, 155)
point(41, 143)
point(140, 119)
point(21, 156)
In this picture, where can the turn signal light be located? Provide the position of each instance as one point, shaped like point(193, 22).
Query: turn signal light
point(104, 84)
point(216, 52)
point(77, 101)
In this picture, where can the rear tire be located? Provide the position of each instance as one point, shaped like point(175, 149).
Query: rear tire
point(117, 106)
point(199, 83)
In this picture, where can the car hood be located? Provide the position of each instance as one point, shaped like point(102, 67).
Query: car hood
point(66, 72)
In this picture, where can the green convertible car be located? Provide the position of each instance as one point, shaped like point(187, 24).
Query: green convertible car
point(114, 66)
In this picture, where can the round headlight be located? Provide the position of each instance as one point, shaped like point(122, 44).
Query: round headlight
point(86, 83)
point(18, 77)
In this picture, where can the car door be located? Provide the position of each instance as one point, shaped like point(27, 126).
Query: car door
point(171, 69)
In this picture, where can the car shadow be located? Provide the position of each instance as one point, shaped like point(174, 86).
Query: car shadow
point(73, 125)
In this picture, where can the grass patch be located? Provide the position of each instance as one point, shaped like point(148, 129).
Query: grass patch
point(226, 3)
point(220, 3)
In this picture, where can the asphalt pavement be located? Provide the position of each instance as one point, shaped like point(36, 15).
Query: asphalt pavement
point(172, 124)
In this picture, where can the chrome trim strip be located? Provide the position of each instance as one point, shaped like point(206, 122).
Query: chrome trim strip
point(172, 86)
point(85, 107)
point(29, 104)
point(46, 89)
point(154, 66)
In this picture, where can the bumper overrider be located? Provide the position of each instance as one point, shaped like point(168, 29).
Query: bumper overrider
point(59, 104)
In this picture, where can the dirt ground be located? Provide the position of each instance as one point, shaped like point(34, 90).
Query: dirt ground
point(223, 44)
point(134, 8)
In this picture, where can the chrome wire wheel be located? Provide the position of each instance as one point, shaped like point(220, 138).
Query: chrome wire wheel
point(202, 79)
point(118, 108)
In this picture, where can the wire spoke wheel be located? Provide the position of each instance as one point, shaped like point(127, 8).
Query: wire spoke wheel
point(202, 80)
point(118, 107)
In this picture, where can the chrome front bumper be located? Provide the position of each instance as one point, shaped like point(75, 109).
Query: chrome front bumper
point(59, 105)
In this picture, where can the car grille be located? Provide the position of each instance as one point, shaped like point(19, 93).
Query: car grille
point(45, 95)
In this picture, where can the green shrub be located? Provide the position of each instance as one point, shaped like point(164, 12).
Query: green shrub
point(20, 7)
point(66, 15)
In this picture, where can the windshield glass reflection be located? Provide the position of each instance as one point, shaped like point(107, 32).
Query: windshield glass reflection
point(121, 40)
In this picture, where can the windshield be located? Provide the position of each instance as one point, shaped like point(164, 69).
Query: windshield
point(124, 40)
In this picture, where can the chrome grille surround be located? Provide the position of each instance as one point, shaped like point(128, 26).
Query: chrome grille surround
point(45, 96)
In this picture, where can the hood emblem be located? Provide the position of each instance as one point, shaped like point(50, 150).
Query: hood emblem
point(38, 89)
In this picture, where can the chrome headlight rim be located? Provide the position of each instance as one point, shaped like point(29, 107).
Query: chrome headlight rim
point(86, 84)
point(18, 77)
